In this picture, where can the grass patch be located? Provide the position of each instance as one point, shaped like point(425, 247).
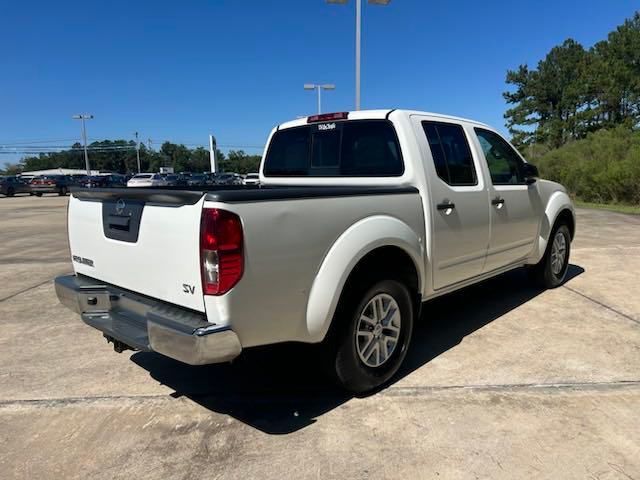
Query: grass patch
point(633, 209)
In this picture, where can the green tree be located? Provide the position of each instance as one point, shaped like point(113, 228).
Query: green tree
point(549, 101)
point(574, 91)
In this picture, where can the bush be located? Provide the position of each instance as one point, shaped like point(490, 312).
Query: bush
point(602, 168)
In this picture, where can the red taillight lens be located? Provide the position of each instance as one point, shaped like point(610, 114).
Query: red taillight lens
point(221, 250)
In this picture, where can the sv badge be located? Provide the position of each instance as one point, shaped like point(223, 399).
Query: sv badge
point(186, 288)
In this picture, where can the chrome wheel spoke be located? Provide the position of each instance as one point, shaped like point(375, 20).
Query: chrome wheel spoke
point(558, 253)
point(378, 330)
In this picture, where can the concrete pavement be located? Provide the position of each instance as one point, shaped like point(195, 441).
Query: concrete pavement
point(502, 381)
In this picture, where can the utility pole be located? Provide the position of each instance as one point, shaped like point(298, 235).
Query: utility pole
point(138, 151)
point(84, 117)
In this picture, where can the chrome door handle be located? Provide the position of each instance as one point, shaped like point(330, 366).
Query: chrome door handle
point(497, 202)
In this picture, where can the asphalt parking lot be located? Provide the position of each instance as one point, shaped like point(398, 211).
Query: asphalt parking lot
point(503, 381)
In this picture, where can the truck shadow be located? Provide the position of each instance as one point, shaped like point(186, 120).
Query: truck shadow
point(281, 389)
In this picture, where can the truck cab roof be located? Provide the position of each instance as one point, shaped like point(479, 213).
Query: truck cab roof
point(382, 114)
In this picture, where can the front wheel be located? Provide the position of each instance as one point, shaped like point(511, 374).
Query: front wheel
point(374, 332)
point(550, 272)
point(10, 192)
point(63, 191)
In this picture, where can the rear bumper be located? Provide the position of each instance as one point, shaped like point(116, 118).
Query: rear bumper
point(146, 324)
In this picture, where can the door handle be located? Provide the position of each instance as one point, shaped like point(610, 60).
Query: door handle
point(497, 202)
point(446, 206)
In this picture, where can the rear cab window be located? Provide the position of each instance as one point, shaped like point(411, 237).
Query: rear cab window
point(351, 148)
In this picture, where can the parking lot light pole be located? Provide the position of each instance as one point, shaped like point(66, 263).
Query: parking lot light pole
point(319, 88)
point(84, 117)
point(359, 37)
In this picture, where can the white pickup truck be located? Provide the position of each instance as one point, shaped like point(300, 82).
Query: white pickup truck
point(359, 218)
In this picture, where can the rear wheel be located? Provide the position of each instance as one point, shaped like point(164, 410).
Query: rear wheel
point(62, 191)
point(10, 192)
point(374, 327)
point(551, 271)
point(38, 194)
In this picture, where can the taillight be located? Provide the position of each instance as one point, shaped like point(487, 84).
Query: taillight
point(221, 250)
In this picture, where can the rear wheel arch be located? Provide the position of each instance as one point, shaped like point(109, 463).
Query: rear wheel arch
point(385, 263)
point(384, 241)
point(382, 263)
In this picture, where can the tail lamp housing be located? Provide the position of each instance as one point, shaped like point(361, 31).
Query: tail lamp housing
point(221, 250)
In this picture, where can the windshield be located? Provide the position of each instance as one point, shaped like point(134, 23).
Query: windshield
point(142, 176)
point(356, 148)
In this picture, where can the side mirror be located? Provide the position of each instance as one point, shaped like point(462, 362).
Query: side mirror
point(530, 172)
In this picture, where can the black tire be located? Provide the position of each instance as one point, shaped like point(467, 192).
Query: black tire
point(63, 191)
point(349, 368)
point(10, 192)
point(38, 194)
point(543, 273)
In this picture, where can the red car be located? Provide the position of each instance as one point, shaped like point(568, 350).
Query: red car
point(59, 184)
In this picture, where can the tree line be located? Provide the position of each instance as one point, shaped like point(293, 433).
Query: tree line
point(119, 156)
point(574, 91)
point(577, 115)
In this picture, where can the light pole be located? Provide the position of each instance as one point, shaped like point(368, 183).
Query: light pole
point(319, 88)
point(358, 37)
point(84, 117)
point(138, 151)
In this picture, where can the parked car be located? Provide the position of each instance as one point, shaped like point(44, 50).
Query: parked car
point(228, 179)
point(340, 248)
point(252, 179)
point(175, 180)
point(146, 180)
point(10, 185)
point(59, 184)
point(197, 180)
point(103, 181)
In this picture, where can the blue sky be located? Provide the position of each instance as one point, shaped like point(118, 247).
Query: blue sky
point(180, 70)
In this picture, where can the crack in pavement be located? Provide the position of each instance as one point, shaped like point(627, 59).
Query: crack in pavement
point(603, 305)
point(25, 290)
point(256, 397)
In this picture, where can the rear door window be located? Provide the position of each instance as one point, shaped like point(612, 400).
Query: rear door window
point(451, 153)
point(358, 148)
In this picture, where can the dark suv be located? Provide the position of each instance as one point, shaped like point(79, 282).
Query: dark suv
point(104, 181)
point(9, 186)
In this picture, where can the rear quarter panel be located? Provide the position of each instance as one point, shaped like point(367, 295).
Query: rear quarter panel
point(286, 243)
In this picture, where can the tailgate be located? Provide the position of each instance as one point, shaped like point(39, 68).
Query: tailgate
point(144, 240)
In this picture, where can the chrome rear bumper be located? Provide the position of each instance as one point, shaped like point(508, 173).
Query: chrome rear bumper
point(146, 324)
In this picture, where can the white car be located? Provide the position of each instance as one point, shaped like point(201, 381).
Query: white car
point(252, 179)
point(363, 217)
point(147, 180)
